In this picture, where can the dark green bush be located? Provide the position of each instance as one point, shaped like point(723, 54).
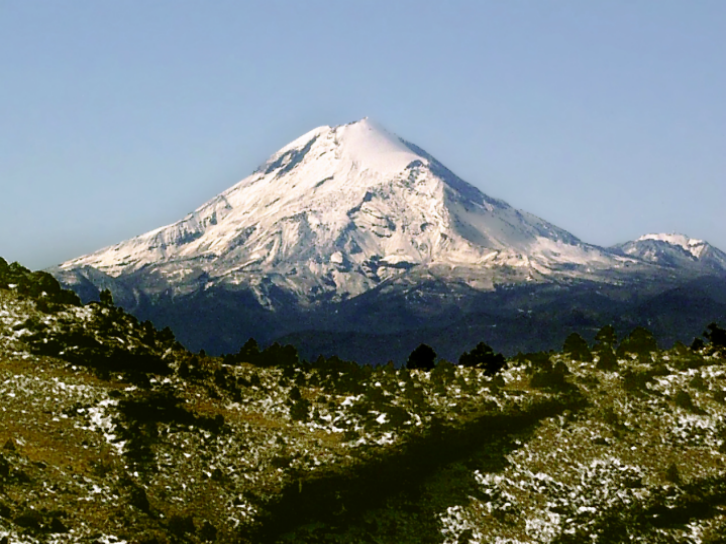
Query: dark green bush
point(683, 400)
point(553, 378)
point(338, 375)
point(540, 360)
point(208, 532)
point(672, 474)
point(607, 358)
point(181, 525)
point(716, 335)
point(636, 381)
point(138, 498)
point(30, 519)
point(640, 342)
point(483, 356)
point(300, 410)
point(443, 373)
point(106, 298)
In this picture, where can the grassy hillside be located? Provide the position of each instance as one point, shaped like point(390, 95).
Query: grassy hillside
point(110, 431)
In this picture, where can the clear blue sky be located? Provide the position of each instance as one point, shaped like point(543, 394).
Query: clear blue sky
point(605, 117)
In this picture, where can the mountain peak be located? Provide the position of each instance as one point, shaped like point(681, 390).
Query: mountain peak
point(363, 144)
point(370, 145)
point(677, 251)
point(694, 246)
point(337, 212)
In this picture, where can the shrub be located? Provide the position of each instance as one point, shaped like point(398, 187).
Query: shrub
point(277, 355)
point(248, 353)
point(30, 519)
point(697, 344)
point(4, 467)
point(138, 498)
point(208, 532)
point(538, 361)
point(607, 359)
point(483, 356)
point(636, 382)
point(553, 378)
point(683, 400)
point(36, 285)
point(164, 406)
point(300, 410)
point(716, 335)
point(181, 525)
point(672, 474)
point(640, 342)
point(444, 372)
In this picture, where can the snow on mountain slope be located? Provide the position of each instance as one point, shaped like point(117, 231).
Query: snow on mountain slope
point(675, 250)
point(335, 213)
point(693, 246)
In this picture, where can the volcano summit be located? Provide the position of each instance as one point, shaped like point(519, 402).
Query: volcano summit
point(338, 218)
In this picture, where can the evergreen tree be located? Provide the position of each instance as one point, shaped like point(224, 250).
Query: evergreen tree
point(277, 355)
point(606, 336)
point(166, 335)
point(576, 347)
point(106, 297)
point(423, 358)
point(640, 342)
point(697, 344)
point(249, 353)
point(716, 335)
point(483, 356)
point(607, 359)
point(605, 343)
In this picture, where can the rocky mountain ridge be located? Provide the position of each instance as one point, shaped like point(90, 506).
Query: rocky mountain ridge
point(676, 251)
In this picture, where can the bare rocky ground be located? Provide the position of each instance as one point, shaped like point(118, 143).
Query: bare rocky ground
point(112, 432)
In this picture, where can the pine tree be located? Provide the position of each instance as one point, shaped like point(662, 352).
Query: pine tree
point(607, 359)
point(483, 356)
point(423, 358)
point(716, 335)
point(576, 347)
point(606, 336)
point(106, 297)
point(640, 342)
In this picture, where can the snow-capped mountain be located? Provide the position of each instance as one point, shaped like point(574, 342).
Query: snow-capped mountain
point(350, 236)
point(336, 213)
point(675, 251)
